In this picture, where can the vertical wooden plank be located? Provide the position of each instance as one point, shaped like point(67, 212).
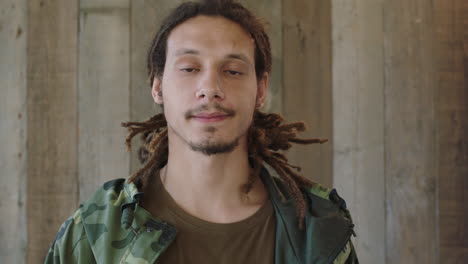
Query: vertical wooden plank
point(52, 121)
point(358, 120)
point(104, 76)
point(146, 18)
point(307, 81)
point(269, 11)
point(410, 151)
point(451, 23)
point(13, 27)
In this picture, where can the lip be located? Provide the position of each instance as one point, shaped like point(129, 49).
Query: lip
point(210, 117)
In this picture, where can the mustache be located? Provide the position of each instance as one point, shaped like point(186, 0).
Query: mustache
point(208, 107)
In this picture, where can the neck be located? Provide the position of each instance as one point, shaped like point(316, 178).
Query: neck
point(211, 187)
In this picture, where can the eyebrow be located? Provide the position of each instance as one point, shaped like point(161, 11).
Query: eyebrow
point(237, 56)
point(181, 52)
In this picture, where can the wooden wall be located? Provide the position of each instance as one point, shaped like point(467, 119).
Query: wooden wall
point(307, 82)
point(103, 91)
point(451, 26)
point(52, 121)
point(358, 120)
point(13, 133)
point(384, 80)
point(400, 126)
point(410, 157)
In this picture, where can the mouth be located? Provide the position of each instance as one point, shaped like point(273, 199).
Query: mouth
point(210, 117)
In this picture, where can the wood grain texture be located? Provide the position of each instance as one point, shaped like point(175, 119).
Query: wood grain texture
point(358, 120)
point(269, 11)
point(146, 18)
point(13, 27)
point(307, 82)
point(52, 121)
point(410, 149)
point(104, 76)
point(451, 24)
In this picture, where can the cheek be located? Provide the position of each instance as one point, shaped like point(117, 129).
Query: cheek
point(246, 105)
point(248, 98)
point(174, 92)
point(173, 106)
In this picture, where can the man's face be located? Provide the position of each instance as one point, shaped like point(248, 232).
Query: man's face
point(209, 86)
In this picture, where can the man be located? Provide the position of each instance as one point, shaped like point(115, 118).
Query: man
point(204, 195)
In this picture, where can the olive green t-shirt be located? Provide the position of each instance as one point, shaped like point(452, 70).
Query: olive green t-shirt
point(251, 240)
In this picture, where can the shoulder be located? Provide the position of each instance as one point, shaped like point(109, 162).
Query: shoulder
point(109, 192)
point(319, 190)
point(97, 217)
point(111, 198)
point(70, 238)
point(324, 202)
point(102, 212)
point(105, 204)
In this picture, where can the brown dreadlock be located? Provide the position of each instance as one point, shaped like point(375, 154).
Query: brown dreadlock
point(267, 136)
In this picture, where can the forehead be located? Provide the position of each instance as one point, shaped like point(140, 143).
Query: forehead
point(210, 35)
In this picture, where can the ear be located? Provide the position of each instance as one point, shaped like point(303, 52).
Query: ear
point(156, 91)
point(262, 90)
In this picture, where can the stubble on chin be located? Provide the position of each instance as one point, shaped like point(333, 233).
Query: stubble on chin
point(209, 146)
point(210, 129)
point(212, 148)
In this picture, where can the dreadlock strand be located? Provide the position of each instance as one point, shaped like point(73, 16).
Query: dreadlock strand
point(292, 166)
point(149, 163)
point(135, 128)
point(156, 140)
point(133, 133)
point(279, 156)
point(299, 126)
point(294, 191)
point(289, 182)
point(256, 138)
point(161, 151)
point(155, 160)
point(303, 181)
point(279, 136)
point(157, 119)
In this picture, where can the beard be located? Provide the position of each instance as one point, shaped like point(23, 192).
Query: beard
point(212, 148)
point(209, 147)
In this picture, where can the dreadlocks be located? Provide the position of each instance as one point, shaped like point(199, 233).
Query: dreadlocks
point(268, 135)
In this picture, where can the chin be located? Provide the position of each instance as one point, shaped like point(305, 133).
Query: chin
point(213, 148)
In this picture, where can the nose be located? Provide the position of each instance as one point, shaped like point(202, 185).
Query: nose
point(210, 87)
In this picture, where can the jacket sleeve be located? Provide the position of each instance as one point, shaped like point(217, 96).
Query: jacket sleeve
point(347, 255)
point(71, 244)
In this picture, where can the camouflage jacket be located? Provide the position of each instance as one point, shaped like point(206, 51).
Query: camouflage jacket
point(111, 228)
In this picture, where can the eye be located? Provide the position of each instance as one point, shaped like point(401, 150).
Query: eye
point(189, 70)
point(234, 73)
